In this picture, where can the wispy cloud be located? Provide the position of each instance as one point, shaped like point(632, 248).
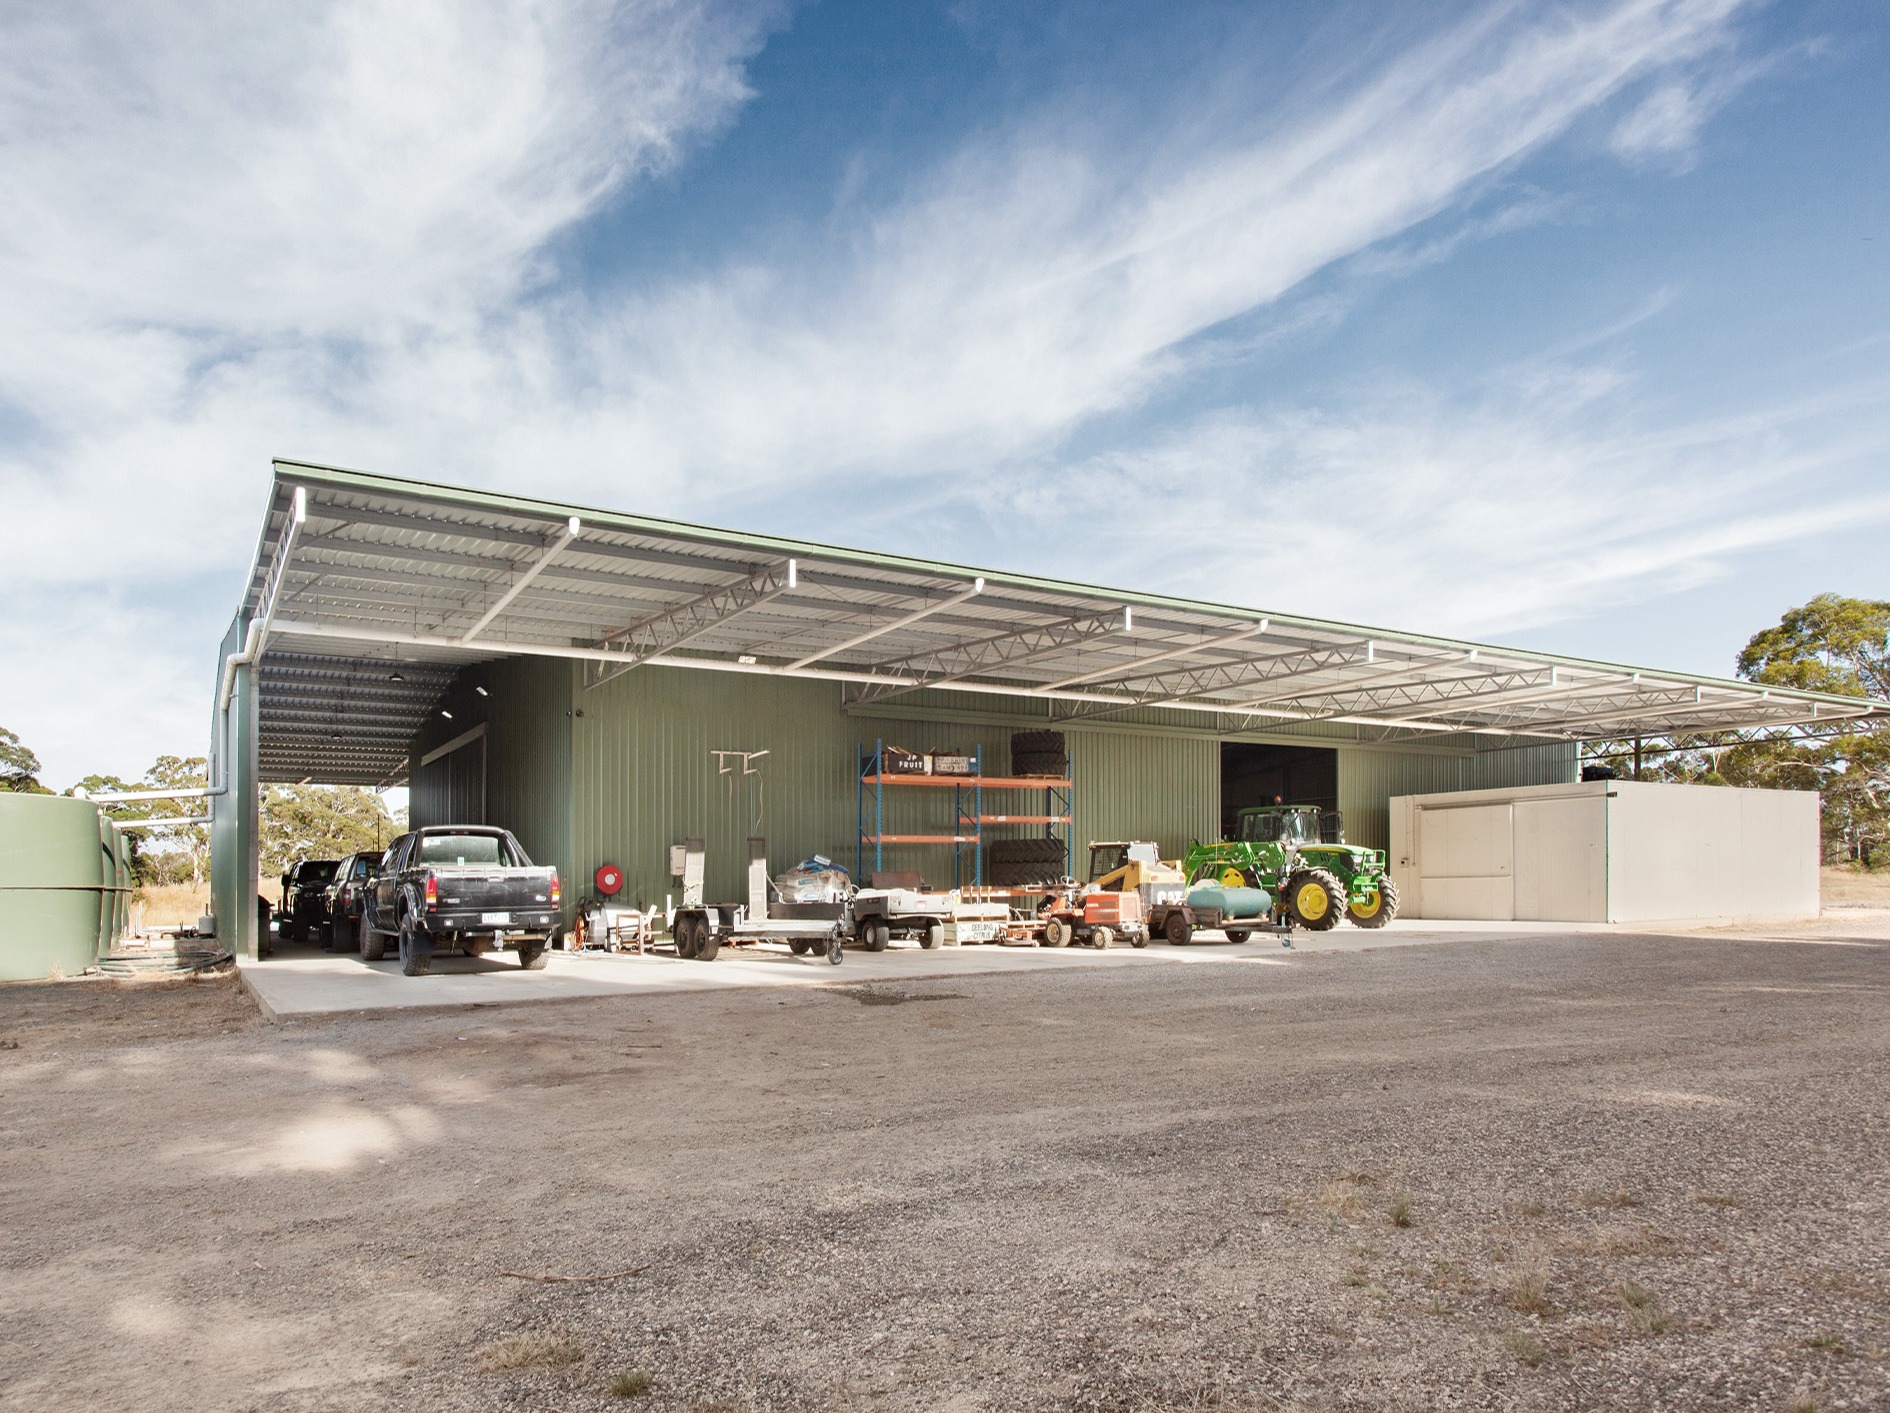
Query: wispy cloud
point(233, 235)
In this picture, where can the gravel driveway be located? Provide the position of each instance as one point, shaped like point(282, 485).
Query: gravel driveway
point(1562, 1173)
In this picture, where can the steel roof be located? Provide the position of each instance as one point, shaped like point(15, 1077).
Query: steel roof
point(384, 588)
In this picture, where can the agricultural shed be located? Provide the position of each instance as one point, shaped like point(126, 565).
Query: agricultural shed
point(567, 672)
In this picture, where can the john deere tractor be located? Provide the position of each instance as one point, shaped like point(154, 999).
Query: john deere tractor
point(1282, 849)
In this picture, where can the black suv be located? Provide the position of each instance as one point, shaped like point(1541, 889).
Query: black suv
point(343, 898)
point(304, 910)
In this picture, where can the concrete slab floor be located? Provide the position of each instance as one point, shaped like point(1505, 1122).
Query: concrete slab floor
point(302, 982)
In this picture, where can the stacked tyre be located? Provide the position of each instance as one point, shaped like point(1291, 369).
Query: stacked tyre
point(1042, 753)
point(1024, 863)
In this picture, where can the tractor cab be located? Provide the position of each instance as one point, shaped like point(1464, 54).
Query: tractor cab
point(1105, 859)
point(1292, 825)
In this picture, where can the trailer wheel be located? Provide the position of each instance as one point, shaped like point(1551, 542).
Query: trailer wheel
point(708, 942)
point(685, 935)
point(836, 947)
point(1101, 938)
point(798, 946)
point(1237, 934)
point(1178, 930)
point(933, 935)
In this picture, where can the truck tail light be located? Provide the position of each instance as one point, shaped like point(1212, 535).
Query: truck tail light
point(433, 892)
point(555, 888)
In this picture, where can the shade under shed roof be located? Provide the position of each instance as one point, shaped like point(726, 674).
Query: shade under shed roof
point(375, 591)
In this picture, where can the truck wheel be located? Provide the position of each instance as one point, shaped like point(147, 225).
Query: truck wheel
point(1237, 934)
point(1178, 930)
point(933, 935)
point(1101, 938)
point(1056, 933)
point(532, 958)
point(1316, 900)
point(373, 944)
point(1381, 910)
point(413, 961)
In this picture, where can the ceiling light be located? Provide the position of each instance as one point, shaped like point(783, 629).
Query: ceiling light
point(746, 659)
point(395, 677)
point(482, 691)
point(445, 713)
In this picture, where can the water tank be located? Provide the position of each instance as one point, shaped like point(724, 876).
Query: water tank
point(55, 902)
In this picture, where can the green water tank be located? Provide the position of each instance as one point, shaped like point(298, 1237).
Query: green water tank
point(55, 901)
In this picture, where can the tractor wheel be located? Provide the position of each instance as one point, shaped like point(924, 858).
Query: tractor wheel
point(1178, 930)
point(1315, 899)
point(1101, 938)
point(1381, 910)
point(1232, 876)
point(1056, 933)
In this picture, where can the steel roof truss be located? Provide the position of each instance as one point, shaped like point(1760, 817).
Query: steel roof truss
point(683, 624)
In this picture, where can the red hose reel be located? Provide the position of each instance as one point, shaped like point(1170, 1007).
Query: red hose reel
point(609, 880)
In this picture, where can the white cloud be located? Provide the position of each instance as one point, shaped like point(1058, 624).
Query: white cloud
point(234, 234)
point(1550, 497)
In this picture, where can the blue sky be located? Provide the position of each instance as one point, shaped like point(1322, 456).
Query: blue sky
point(1559, 325)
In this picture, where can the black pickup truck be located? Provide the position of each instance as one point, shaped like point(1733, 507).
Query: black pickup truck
point(460, 888)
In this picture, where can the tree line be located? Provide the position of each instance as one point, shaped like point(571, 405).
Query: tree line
point(298, 821)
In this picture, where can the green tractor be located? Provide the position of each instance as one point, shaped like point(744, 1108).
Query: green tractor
point(1282, 849)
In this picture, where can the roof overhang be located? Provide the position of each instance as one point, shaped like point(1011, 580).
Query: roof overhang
point(377, 591)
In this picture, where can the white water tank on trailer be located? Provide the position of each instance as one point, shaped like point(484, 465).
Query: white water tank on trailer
point(1607, 851)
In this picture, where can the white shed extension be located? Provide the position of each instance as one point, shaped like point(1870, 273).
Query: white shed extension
point(1607, 851)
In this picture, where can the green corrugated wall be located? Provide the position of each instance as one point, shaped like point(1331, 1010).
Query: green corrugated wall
point(619, 773)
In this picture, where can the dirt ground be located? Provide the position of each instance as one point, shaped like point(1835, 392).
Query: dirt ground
point(1572, 1172)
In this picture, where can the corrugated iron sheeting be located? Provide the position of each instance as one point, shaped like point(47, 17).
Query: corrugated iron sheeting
point(1368, 779)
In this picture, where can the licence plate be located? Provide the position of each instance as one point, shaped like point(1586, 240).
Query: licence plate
point(500, 918)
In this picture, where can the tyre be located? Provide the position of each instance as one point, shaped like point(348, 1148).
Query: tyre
point(684, 932)
point(373, 944)
point(1056, 933)
point(1380, 911)
point(877, 936)
point(1237, 934)
point(1315, 900)
point(1101, 938)
point(1139, 937)
point(1016, 863)
point(414, 961)
point(708, 943)
point(1051, 766)
point(933, 935)
point(532, 958)
point(799, 946)
point(836, 947)
point(1178, 930)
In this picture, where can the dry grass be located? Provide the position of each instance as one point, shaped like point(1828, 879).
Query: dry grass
point(170, 904)
point(1400, 1209)
point(1803, 1401)
point(1528, 1291)
point(537, 1349)
point(1853, 886)
point(1524, 1347)
point(1644, 1310)
point(631, 1383)
point(1341, 1199)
